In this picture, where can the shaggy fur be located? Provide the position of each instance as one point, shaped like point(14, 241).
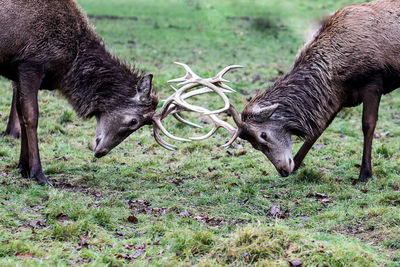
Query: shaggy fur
point(75, 58)
point(49, 44)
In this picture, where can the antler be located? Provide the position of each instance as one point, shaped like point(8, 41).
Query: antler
point(177, 103)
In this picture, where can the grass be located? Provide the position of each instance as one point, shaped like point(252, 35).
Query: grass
point(201, 205)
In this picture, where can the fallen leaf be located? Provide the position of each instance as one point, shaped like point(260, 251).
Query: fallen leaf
point(241, 153)
point(83, 243)
point(184, 214)
point(177, 182)
point(296, 263)
point(40, 223)
point(132, 219)
point(63, 158)
point(278, 213)
point(317, 146)
point(320, 195)
point(133, 256)
point(244, 255)
point(37, 208)
point(380, 135)
point(120, 233)
point(22, 256)
point(62, 217)
point(137, 254)
point(244, 201)
point(275, 210)
point(141, 232)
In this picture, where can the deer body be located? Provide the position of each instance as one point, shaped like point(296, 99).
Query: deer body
point(48, 44)
point(354, 58)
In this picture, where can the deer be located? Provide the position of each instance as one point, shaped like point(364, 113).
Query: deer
point(50, 45)
point(352, 59)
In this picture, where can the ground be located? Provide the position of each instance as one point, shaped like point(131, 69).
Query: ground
point(202, 204)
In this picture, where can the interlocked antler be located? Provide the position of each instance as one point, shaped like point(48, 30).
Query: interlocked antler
point(177, 103)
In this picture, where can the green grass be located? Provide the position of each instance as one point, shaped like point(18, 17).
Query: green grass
point(201, 205)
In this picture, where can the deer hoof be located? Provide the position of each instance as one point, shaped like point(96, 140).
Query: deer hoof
point(12, 134)
point(23, 171)
point(364, 176)
point(41, 179)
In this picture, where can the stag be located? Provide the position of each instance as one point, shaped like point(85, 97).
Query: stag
point(50, 45)
point(352, 59)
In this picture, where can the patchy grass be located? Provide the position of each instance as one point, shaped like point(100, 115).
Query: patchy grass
point(201, 204)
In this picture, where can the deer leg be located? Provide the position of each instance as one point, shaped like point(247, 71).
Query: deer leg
point(30, 80)
point(371, 97)
point(23, 164)
point(13, 126)
point(300, 155)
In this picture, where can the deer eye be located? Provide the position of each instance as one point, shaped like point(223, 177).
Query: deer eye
point(133, 122)
point(264, 136)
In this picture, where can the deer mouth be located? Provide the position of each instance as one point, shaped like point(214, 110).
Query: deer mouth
point(100, 154)
point(98, 148)
point(286, 169)
point(283, 173)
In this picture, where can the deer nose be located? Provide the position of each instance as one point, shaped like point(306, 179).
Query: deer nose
point(101, 153)
point(283, 173)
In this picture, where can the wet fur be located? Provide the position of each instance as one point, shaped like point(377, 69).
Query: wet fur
point(74, 58)
point(49, 44)
point(354, 58)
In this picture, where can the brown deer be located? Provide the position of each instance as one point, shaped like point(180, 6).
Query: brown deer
point(354, 58)
point(48, 44)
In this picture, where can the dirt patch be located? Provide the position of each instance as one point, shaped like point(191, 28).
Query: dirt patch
point(73, 187)
point(143, 206)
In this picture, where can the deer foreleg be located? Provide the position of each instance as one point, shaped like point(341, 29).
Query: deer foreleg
point(371, 97)
point(30, 79)
point(300, 155)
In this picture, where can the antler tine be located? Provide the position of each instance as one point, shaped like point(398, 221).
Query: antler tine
point(220, 93)
point(221, 80)
point(189, 76)
point(179, 118)
point(200, 91)
point(225, 70)
point(218, 123)
point(233, 138)
point(237, 119)
point(160, 141)
point(169, 135)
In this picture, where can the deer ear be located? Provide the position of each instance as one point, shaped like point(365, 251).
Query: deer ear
point(144, 87)
point(266, 112)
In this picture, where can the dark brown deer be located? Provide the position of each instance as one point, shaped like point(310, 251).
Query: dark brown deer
point(354, 58)
point(48, 44)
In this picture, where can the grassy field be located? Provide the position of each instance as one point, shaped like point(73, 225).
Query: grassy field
point(201, 205)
